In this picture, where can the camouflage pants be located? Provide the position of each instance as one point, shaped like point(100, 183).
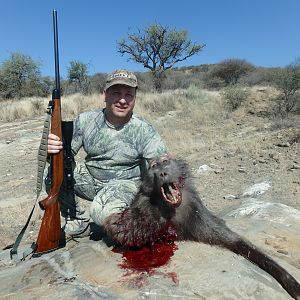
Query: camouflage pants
point(107, 197)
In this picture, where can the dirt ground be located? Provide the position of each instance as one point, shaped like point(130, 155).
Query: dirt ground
point(241, 150)
point(246, 150)
point(225, 159)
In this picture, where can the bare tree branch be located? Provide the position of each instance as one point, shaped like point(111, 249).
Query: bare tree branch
point(158, 48)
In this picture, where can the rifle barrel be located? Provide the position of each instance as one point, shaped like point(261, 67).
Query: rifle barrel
point(57, 78)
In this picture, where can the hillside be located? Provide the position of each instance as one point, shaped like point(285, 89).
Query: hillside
point(229, 153)
point(226, 151)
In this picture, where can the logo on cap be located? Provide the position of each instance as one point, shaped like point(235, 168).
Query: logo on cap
point(121, 77)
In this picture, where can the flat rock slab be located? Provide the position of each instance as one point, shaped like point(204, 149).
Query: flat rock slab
point(89, 269)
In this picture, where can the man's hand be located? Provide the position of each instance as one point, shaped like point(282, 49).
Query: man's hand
point(54, 144)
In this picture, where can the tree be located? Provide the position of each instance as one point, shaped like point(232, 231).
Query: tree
point(158, 48)
point(231, 70)
point(19, 76)
point(287, 80)
point(78, 76)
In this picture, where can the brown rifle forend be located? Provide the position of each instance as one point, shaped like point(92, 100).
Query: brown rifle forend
point(50, 230)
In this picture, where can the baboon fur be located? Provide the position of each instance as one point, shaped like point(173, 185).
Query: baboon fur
point(168, 206)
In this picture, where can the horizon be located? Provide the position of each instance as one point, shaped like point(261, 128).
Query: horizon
point(261, 32)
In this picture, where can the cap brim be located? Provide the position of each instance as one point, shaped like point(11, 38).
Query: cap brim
point(123, 82)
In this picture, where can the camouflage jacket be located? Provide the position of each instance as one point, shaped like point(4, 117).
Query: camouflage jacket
point(115, 152)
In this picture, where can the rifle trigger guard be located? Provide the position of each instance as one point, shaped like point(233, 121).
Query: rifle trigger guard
point(50, 107)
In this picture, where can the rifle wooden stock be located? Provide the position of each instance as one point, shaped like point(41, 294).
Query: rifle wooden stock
point(50, 230)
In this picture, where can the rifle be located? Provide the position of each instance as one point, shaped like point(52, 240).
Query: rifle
point(50, 231)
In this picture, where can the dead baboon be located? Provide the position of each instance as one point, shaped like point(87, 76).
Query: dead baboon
point(168, 206)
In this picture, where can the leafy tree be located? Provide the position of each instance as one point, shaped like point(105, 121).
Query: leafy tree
point(158, 48)
point(287, 80)
point(78, 76)
point(231, 70)
point(19, 76)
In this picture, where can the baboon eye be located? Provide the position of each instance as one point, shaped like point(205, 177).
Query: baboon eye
point(153, 164)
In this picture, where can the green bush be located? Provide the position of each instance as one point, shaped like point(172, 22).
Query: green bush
point(234, 96)
point(287, 81)
point(230, 70)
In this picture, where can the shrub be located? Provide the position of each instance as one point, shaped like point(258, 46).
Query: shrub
point(38, 106)
point(97, 83)
point(181, 79)
point(211, 82)
point(259, 76)
point(287, 81)
point(231, 70)
point(235, 96)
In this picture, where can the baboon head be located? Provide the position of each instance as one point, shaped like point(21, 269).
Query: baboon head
point(166, 177)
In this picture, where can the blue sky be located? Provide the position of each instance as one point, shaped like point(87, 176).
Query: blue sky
point(264, 32)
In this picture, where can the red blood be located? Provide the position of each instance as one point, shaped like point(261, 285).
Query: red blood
point(146, 258)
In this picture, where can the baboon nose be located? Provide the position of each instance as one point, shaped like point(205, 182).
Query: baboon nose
point(163, 174)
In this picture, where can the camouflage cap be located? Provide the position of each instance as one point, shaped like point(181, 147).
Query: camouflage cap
point(121, 77)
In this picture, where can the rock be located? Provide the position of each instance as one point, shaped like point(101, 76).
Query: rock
point(89, 269)
point(262, 161)
point(262, 89)
point(242, 170)
point(295, 167)
point(256, 189)
point(272, 212)
point(230, 197)
point(283, 252)
point(283, 144)
point(204, 169)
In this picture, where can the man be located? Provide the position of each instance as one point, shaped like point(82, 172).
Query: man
point(117, 144)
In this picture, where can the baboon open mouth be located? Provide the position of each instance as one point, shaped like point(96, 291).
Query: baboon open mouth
point(171, 193)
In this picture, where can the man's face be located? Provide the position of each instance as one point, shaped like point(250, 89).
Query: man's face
point(120, 100)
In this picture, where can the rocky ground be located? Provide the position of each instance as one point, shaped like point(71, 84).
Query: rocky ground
point(242, 163)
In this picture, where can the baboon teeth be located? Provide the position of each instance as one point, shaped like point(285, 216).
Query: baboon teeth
point(171, 193)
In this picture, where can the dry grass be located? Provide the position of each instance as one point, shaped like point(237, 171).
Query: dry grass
point(27, 108)
point(190, 120)
point(178, 115)
point(195, 125)
point(186, 118)
point(242, 147)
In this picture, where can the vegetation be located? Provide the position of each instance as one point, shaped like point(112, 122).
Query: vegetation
point(78, 78)
point(158, 48)
point(20, 77)
point(287, 81)
point(228, 72)
point(234, 96)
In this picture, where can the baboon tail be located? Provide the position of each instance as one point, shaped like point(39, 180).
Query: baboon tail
point(250, 252)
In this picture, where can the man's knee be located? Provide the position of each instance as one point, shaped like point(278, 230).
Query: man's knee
point(99, 213)
point(112, 198)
